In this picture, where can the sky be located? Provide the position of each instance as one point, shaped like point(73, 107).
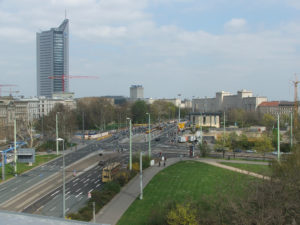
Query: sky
point(191, 47)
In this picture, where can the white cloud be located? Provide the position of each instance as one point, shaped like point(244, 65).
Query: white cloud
point(235, 24)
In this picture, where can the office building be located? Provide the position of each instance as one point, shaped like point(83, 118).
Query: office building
point(52, 50)
point(136, 92)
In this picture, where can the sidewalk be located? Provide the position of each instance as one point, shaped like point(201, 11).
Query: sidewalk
point(112, 212)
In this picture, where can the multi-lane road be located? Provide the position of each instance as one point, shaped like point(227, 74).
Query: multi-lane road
point(77, 188)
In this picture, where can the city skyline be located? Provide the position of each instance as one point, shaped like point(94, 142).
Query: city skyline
point(190, 47)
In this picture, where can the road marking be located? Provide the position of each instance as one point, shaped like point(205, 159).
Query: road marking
point(75, 180)
point(54, 193)
point(91, 190)
point(40, 208)
point(67, 209)
point(28, 181)
point(14, 189)
point(86, 180)
point(97, 185)
point(2, 189)
point(68, 197)
point(75, 184)
point(18, 181)
point(68, 192)
point(53, 208)
point(78, 190)
point(78, 195)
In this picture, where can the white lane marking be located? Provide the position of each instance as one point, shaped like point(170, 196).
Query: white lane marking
point(53, 208)
point(91, 190)
point(54, 193)
point(67, 209)
point(78, 190)
point(68, 197)
point(18, 181)
point(75, 180)
point(86, 185)
point(28, 181)
point(75, 184)
point(13, 189)
point(96, 182)
point(97, 185)
point(80, 198)
point(78, 195)
point(86, 181)
point(68, 192)
point(2, 189)
point(40, 208)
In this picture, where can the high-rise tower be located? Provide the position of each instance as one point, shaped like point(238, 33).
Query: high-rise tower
point(52, 55)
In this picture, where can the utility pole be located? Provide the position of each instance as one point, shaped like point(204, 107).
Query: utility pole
point(179, 109)
point(94, 213)
point(278, 138)
point(15, 144)
point(3, 167)
point(130, 144)
point(141, 175)
point(149, 136)
point(56, 127)
point(296, 102)
point(83, 127)
point(224, 130)
point(291, 130)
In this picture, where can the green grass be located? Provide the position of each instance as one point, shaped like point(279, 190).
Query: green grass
point(260, 169)
point(182, 181)
point(23, 167)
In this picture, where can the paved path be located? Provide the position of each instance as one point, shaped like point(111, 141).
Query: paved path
point(112, 212)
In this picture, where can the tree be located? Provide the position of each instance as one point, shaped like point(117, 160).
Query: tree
point(263, 144)
point(269, 121)
point(182, 214)
point(138, 111)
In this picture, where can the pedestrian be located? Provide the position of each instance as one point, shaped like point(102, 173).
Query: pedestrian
point(165, 158)
point(158, 163)
point(165, 163)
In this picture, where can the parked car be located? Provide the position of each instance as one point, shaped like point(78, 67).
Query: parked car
point(250, 151)
point(157, 139)
point(237, 150)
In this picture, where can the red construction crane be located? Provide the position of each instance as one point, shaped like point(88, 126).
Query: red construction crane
point(63, 77)
point(6, 85)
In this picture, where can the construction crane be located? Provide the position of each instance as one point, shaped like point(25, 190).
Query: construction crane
point(64, 77)
point(296, 101)
point(11, 92)
point(5, 85)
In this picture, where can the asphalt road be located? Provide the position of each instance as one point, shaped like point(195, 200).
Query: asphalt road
point(21, 183)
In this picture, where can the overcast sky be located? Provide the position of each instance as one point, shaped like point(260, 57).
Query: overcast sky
point(192, 47)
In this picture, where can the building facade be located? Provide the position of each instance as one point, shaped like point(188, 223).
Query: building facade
point(205, 119)
point(225, 101)
point(277, 107)
point(136, 92)
point(52, 50)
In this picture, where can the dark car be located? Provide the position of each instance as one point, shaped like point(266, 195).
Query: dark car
point(237, 150)
point(157, 139)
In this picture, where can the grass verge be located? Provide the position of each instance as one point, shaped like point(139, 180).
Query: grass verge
point(182, 181)
point(23, 167)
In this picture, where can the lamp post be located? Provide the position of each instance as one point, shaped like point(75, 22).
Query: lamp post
point(64, 181)
point(56, 128)
point(278, 138)
point(149, 135)
point(15, 145)
point(130, 144)
point(141, 175)
point(291, 130)
point(179, 109)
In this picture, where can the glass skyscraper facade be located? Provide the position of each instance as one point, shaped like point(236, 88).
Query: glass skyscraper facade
point(53, 60)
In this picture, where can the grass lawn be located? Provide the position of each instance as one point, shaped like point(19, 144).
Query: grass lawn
point(260, 169)
point(22, 167)
point(182, 181)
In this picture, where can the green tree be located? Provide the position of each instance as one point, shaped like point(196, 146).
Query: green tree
point(138, 112)
point(263, 144)
point(182, 214)
point(269, 121)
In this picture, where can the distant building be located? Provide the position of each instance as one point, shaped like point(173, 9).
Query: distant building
point(225, 100)
point(52, 49)
point(277, 107)
point(136, 92)
point(205, 119)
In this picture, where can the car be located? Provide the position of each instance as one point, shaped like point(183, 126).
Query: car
point(157, 139)
point(237, 150)
point(250, 151)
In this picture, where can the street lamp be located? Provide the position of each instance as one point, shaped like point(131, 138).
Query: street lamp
point(130, 144)
point(64, 181)
point(56, 128)
point(149, 135)
point(179, 108)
